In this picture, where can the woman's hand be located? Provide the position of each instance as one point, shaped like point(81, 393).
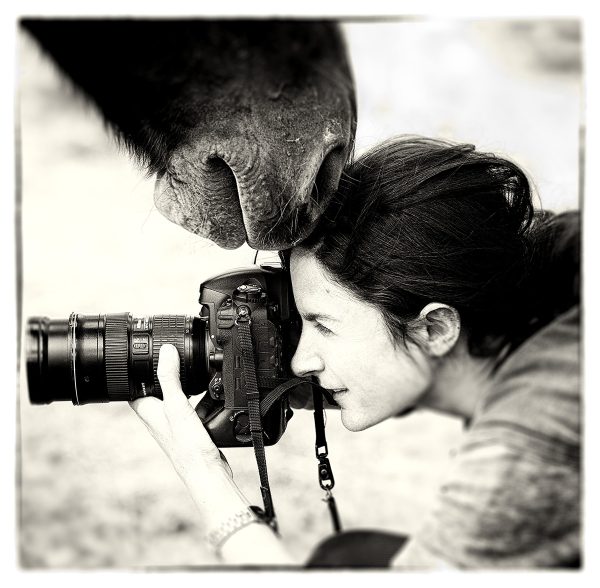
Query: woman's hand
point(178, 429)
point(174, 423)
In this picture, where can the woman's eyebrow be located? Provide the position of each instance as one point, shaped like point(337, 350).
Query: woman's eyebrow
point(315, 316)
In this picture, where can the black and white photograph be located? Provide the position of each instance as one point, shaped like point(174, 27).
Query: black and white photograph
point(299, 293)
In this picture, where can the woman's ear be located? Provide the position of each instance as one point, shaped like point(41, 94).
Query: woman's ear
point(439, 328)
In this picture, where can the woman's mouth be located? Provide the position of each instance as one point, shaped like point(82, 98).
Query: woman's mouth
point(338, 391)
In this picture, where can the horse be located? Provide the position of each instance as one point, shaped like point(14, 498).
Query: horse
point(247, 124)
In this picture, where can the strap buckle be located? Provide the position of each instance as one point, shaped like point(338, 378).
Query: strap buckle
point(326, 479)
point(242, 315)
point(321, 450)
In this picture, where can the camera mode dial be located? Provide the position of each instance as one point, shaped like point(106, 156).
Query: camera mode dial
point(248, 293)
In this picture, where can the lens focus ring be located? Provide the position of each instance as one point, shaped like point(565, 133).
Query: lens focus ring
point(116, 352)
point(169, 328)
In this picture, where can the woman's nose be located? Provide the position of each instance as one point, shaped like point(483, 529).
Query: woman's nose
point(306, 361)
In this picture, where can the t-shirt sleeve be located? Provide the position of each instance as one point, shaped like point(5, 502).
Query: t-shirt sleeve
point(500, 508)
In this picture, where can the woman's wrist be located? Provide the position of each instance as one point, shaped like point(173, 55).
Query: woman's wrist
point(233, 531)
point(216, 537)
point(214, 493)
point(238, 538)
point(255, 544)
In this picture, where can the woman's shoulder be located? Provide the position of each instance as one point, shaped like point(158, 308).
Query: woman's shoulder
point(552, 350)
point(535, 398)
point(511, 496)
point(554, 346)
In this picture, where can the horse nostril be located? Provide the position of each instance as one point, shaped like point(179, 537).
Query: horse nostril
point(328, 176)
point(222, 178)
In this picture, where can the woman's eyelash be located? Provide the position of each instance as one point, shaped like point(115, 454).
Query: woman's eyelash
point(322, 328)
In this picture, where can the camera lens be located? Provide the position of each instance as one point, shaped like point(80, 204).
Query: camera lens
point(111, 357)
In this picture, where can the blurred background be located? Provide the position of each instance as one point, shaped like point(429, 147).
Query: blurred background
point(94, 489)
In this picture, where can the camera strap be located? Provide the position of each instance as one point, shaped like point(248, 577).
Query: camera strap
point(255, 421)
point(256, 410)
point(326, 479)
point(325, 473)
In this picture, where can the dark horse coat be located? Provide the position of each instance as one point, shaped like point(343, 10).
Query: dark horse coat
point(247, 124)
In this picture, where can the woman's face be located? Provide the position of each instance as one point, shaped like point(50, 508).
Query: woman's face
point(346, 345)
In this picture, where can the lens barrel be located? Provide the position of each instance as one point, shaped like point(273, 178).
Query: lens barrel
point(111, 357)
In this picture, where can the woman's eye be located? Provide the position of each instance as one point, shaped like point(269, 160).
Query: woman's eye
point(322, 328)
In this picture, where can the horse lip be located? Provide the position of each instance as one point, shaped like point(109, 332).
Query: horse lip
point(273, 236)
point(177, 200)
point(307, 208)
point(190, 198)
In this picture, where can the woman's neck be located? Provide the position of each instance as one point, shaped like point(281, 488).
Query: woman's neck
point(460, 380)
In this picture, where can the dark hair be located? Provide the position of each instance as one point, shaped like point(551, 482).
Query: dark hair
point(418, 220)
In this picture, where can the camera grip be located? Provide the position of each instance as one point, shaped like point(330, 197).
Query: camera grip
point(206, 406)
point(226, 427)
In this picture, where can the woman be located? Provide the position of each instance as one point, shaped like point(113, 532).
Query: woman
point(430, 282)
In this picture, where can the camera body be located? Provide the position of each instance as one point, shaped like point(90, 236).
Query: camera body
point(264, 297)
point(114, 357)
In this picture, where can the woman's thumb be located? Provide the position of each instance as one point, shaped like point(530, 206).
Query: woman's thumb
point(167, 372)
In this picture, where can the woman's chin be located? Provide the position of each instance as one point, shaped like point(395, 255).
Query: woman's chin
point(352, 421)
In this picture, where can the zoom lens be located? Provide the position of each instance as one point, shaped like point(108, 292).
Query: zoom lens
point(111, 357)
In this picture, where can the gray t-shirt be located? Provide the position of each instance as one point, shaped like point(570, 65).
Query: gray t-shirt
point(512, 496)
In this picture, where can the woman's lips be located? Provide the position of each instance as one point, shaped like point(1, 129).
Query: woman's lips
point(338, 391)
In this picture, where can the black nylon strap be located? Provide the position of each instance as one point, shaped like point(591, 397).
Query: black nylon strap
point(227, 369)
point(326, 479)
point(256, 430)
point(268, 382)
point(255, 408)
point(278, 392)
point(333, 511)
point(320, 441)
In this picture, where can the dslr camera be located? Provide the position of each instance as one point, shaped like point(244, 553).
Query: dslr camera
point(113, 357)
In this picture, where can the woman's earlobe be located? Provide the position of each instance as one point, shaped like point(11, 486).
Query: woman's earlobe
point(441, 328)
